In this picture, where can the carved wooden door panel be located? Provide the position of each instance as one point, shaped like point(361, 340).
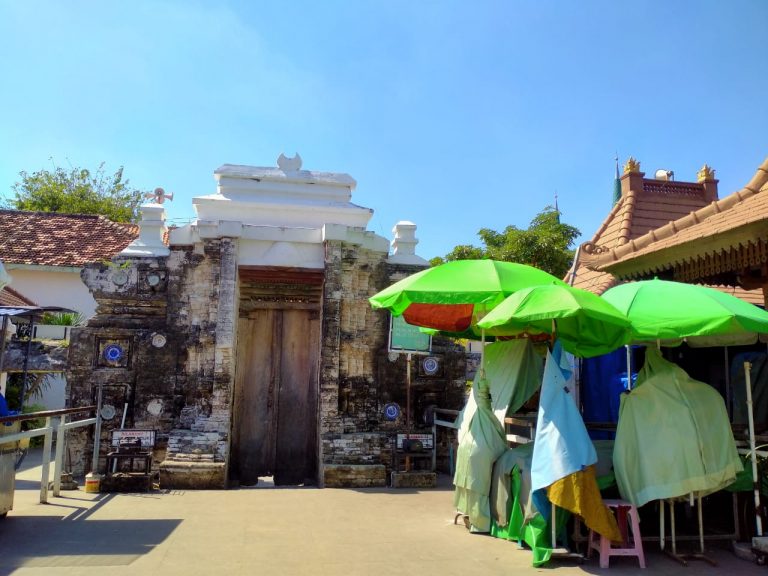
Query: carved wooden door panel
point(275, 432)
point(296, 439)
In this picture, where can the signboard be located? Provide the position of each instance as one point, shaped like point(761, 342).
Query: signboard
point(404, 337)
point(130, 435)
point(425, 439)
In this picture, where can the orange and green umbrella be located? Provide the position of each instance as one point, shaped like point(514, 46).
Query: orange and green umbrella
point(453, 296)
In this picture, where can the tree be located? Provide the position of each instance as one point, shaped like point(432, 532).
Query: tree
point(546, 244)
point(77, 191)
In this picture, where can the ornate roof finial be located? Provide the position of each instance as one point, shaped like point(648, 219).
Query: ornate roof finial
point(289, 164)
point(705, 174)
point(159, 195)
point(632, 166)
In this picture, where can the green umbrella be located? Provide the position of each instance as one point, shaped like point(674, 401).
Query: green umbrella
point(666, 312)
point(451, 297)
point(586, 324)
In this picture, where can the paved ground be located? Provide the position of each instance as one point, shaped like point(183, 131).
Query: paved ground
point(281, 532)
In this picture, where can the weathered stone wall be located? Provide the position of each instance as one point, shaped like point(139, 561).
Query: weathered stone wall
point(182, 388)
point(357, 376)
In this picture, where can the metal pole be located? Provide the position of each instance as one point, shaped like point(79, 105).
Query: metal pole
point(482, 352)
point(629, 366)
point(408, 411)
point(2, 341)
point(97, 435)
point(728, 399)
point(46, 461)
point(554, 527)
point(57, 463)
point(701, 525)
point(26, 363)
point(752, 449)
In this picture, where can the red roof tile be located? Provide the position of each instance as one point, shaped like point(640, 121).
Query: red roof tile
point(636, 213)
point(689, 236)
point(52, 239)
point(9, 297)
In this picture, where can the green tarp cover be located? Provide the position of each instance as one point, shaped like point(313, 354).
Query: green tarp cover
point(514, 515)
point(481, 441)
point(512, 375)
point(514, 371)
point(673, 437)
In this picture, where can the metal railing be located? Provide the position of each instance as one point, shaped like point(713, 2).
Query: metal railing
point(47, 432)
point(446, 419)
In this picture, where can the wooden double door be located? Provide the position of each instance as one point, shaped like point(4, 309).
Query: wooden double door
point(276, 388)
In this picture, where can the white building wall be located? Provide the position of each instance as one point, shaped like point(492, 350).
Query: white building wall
point(47, 286)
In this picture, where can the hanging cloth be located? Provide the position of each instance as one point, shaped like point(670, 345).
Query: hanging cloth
point(563, 453)
point(481, 442)
point(673, 437)
point(562, 444)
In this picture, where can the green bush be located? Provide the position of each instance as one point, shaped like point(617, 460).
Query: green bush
point(62, 319)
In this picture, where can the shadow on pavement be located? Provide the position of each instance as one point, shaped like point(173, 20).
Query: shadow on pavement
point(43, 541)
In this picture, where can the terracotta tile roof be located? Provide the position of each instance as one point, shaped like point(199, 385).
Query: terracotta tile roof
point(635, 214)
point(694, 234)
point(9, 297)
point(52, 239)
point(752, 296)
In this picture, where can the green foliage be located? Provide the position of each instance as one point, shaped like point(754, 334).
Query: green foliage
point(34, 424)
point(37, 383)
point(77, 191)
point(62, 319)
point(545, 244)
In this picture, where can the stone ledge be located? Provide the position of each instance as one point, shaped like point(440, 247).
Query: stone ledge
point(414, 480)
point(192, 475)
point(354, 475)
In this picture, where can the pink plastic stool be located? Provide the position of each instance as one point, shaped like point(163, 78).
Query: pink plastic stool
point(632, 544)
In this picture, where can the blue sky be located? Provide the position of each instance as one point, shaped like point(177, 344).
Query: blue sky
point(455, 115)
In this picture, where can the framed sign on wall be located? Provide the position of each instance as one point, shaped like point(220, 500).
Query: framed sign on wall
point(405, 338)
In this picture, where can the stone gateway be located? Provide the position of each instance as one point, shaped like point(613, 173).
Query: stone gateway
point(245, 339)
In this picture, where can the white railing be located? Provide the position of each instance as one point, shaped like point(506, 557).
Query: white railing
point(47, 432)
point(446, 419)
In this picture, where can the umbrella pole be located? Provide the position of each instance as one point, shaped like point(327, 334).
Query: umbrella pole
point(629, 366)
point(752, 449)
point(728, 400)
point(408, 409)
point(482, 352)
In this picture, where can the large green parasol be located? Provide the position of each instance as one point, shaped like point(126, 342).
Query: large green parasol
point(585, 324)
point(666, 312)
point(452, 296)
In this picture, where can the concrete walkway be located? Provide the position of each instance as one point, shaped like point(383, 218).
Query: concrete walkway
point(279, 531)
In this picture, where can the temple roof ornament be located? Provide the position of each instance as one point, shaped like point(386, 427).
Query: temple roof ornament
point(289, 164)
point(632, 166)
point(706, 173)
